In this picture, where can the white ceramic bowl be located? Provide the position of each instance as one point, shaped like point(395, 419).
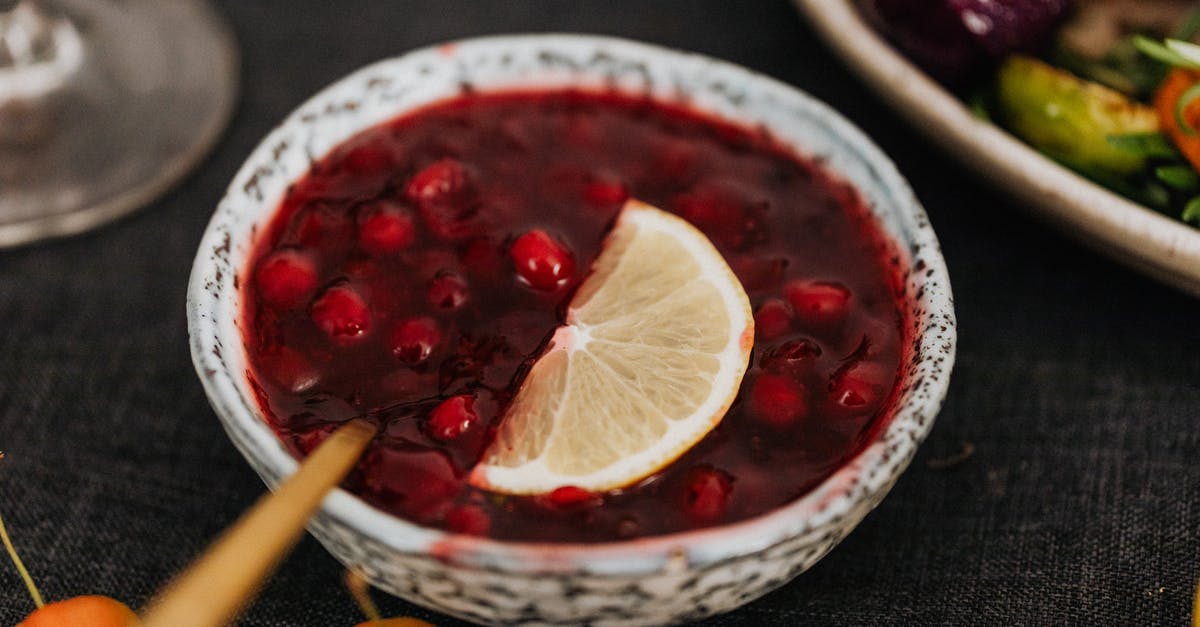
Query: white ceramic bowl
point(655, 580)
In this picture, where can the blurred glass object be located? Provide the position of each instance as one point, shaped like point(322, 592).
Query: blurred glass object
point(104, 104)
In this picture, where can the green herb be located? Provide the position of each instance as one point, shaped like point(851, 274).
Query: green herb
point(1148, 145)
point(1160, 52)
point(1149, 193)
point(1191, 95)
point(1186, 50)
point(1153, 195)
point(1102, 71)
point(1122, 68)
point(1180, 177)
point(1191, 211)
point(1119, 80)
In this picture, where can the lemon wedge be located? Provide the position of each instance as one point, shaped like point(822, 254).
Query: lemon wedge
point(655, 345)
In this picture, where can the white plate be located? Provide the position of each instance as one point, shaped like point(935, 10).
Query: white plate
point(1160, 246)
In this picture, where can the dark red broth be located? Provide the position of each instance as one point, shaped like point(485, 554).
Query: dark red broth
point(394, 281)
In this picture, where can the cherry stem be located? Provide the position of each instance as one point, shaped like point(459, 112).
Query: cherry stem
point(16, 559)
point(359, 589)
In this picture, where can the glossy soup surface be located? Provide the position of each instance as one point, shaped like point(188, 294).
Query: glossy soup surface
point(388, 284)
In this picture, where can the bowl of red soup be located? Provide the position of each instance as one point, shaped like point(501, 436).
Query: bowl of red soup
point(404, 246)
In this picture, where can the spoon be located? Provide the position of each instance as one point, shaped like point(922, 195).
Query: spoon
point(221, 581)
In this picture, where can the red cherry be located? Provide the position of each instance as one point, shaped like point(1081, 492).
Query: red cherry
point(791, 355)
point(286, 277)
point(773, 319)
point(445, 195)
point(291, 370)
point(316, 225)
point(438, 181)
point(447, 291)
point(385, 228)
point(91, 611)
point(342, 313)
point(706, 498)
point(469, 519)
point(604, 194)
point(820, 303)
point(452, 418)
point(778, 400)
point(569, 497)
point(414, 339)
point(853, 393)
point(542, 261)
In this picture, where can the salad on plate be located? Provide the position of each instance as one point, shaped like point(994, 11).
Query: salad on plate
point(1108, 88)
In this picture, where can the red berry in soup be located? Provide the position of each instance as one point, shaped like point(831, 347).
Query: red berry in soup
point(469, 519)
point(341, 312)
point(385, 228)
point(707, 495)
point(605, 193)
point(778, 400)
point(445, 193)
point(448, 291)
point(452, 418)
point(772, 319)
point(415, 339)
point(791, 356)
point(541, 260)
point(286, 278)
point(570, 496)
point(819, 303)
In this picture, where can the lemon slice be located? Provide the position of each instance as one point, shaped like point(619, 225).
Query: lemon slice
point(655, 345)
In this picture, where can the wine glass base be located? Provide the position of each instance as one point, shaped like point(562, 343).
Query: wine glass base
point(155, 88)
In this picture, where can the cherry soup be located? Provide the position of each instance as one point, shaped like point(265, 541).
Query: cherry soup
point(416, 272)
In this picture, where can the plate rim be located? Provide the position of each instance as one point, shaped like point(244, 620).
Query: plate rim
point(1162, 247)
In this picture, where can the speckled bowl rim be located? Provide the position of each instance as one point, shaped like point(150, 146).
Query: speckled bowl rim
point(865, 478)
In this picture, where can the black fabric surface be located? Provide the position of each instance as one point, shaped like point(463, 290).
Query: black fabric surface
point(1077, 383)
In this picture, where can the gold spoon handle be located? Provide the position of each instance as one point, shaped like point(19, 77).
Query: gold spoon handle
point(220, 582)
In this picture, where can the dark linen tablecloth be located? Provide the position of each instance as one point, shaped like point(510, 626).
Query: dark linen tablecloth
point(1077, 383)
